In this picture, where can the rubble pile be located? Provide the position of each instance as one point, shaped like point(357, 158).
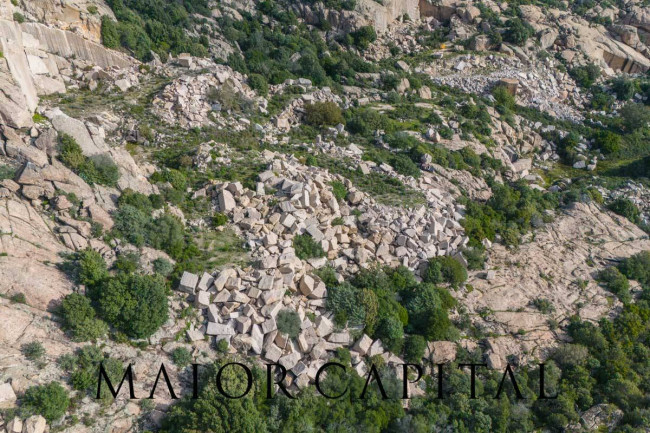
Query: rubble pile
point(197, 100)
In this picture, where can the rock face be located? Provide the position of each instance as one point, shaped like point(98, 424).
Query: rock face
point(34, 59)
point(32, 252)
point(548, 268)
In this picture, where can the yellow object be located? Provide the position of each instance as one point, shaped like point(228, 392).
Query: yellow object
point(443, 46)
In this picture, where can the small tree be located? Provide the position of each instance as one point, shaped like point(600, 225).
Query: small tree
point(288, 323)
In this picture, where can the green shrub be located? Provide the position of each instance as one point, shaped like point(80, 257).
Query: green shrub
point(181, 357)
point(518, 31)
point(219, 220)
point(505, 101)
point(222, 346)
point(404, 165)
point(624, 88)
point(585, 76)
point(365, 121)
point(79, 318)
point(70, 152)
point(391, 332)
point(475, 258)
point(18, 298)
point(19, 18)
point(414, 348)
point(543, 305)
point(100, 169)
point(83, 369)
point(33, 351)
point(288, 323)
point(7, 172)
point(306, 247)
point(339, 190)
point(634, 116)
point(445, 269)
point(134, 304)
point(132, 224)
point(615, 282)
point(323, 114)
point(427, 308)
point(637, 268)
point(627, 209)
point(162, 266)
point(50, 401)
point(343, 300)
point(258, 83)
point(608, 142)
point(363, 37)
point(97, 169)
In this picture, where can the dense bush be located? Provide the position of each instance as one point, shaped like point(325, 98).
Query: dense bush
point(50, 401)
point(518, 31)
point(181, 357)
point(585, 76)
point(363, 37)
point(390, 331)
point(339, 190)
point(258, 83)
point(365, 121)
point(306, 247)
point(323, 114)
point(637, 268)
point(624, 88)
point(134, 304)
point(83, 369)
point(80, 318)
point(428, 312)
point(414, 348)
point(97, 169)
point(608, 142)
point(351, 305)
point(510, 212)
point(288, 323)
point(445, 269)
point(134, 223)
point(505, 101)
point(143, 26)
point(33, 351)
point(626, 208)
point(404, 165)
point(370, 300)
point(615, 282)
point(634, 116)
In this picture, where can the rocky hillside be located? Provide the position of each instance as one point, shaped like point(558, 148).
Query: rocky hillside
point(362, 182)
